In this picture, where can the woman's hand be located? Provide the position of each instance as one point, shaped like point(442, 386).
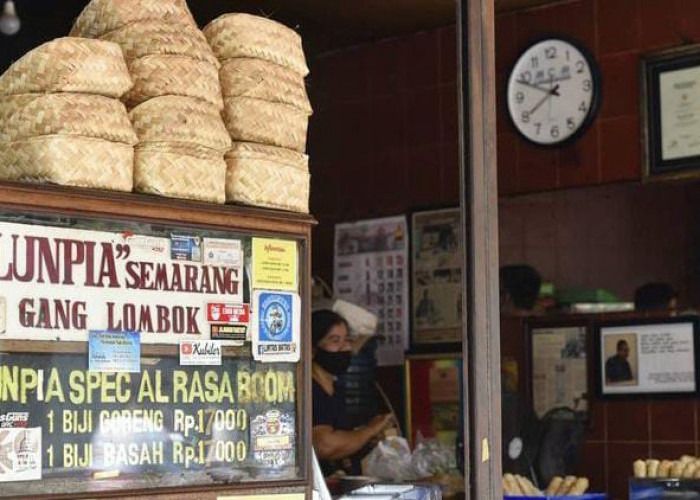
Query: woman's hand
point(381, 422)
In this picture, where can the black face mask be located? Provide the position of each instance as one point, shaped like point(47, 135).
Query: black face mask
point(335, 363)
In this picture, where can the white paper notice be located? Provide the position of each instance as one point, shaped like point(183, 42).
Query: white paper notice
point(20, 454)
point(648, 358)
point(680, 113)
point(371, 270)
point(218, 252)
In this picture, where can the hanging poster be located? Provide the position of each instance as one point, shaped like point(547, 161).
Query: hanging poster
point(371, 270)
point(274, 264)
point(436, 254)
point(276, 326)
point(559, 373)
point(59, 283)
point(20, 454)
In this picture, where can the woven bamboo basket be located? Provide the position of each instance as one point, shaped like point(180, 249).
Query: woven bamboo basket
point(180, 172)
point(254, 120)
point(268, 177)
point(30, 115)
point(102, 16)
point(156, 76)
point(69, 65)
point(69, 160)
point(180, 119)
point(243, 35)
point(260, 79)
point(147, 38)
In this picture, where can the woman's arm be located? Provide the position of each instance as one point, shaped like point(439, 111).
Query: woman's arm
point(331, 444)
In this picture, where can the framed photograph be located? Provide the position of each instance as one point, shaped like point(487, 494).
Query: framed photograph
point(670, 84)
point(559, 366)
point(647, 357)
point(436, 278)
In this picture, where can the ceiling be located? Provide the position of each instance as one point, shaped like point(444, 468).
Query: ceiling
point(324, 24)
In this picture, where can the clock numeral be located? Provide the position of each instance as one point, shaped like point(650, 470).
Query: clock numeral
point(570, 124)
point(525, 116)
point(535, 62)
point(567, 55)
point(550, 52)
point(526, 76)
point(587, 85)
point(554, 132)
point(580, 66)
point(538, 126)
point(583, 108)
point(519, 97)
point(552, 73)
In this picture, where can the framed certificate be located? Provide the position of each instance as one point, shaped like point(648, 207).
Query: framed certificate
point(671, 112)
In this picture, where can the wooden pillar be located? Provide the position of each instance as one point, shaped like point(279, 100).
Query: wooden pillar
point(479, 202)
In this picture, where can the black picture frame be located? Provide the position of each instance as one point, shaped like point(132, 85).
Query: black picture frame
point(597, 335)
point(596, 100)
point(553, 324)
point(652, 66)
point(427, 348)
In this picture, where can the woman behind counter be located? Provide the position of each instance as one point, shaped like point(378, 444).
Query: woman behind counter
point(333, 440)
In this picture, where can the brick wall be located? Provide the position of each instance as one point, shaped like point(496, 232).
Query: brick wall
point(617, 33)
point(383, 141)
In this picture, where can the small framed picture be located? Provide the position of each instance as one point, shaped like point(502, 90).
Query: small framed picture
point(647, 357)
point(670, 83)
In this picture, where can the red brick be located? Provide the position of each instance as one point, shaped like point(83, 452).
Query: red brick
point(387, 127)
point(659, 23)
point(673, 420)
point(389, 175)
point(507, 164)
point(422, 116)
point(421, 61)
point(449, 161)
point(618, 26)
point(620, 158)
point(592, 466)
point(448, 54)
point(449, 114)
point(672, 451)
point(628, 421)
point(688, 16)
point(620, 85)
point(384, 66)
point(537, 168)
point(620, 457)
point(577, 20)
point(506, 42)
point(424, 178)
point(578, 162)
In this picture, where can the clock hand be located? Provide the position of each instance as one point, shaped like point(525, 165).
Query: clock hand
point(550, 93)
point(532, 85)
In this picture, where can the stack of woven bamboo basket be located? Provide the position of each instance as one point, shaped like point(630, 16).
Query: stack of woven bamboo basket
point(61, 120)
point(266, 110)
point(176, 99)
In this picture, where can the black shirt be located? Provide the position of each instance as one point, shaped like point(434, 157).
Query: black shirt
point(617, 369)
point(329, 410)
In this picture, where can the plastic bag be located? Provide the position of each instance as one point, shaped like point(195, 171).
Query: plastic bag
point(432, 457)
point(390, 460)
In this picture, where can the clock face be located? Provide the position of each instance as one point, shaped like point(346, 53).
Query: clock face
point(552, 92)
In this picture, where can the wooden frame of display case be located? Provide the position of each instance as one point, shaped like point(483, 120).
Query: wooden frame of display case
point(138, 208)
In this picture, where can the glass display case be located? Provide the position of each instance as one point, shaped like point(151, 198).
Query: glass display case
point(151, 346)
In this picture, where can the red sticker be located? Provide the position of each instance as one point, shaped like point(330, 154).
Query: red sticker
point(228, 313)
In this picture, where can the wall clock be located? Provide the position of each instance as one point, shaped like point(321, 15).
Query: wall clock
point(553, 92)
